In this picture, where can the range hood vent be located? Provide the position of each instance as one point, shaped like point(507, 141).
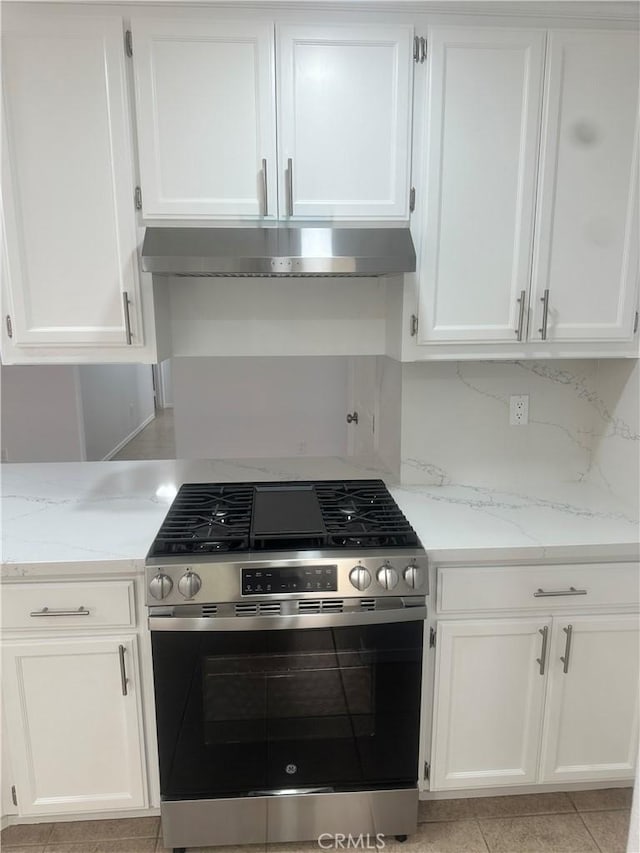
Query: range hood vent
point(279, 251)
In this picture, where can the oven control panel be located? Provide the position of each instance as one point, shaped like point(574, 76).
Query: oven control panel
point(289, 579)
point(221, 580)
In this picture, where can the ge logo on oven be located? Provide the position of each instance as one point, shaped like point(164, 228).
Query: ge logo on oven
point(291, 769)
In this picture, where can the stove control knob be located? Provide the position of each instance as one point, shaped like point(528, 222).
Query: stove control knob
point(189, 584)
point(414, 576)
point(359, 577)
point(387, 576)
point(160, 586)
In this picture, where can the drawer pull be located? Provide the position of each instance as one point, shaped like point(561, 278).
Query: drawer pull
point(265, 195)
point(553, 593)
point(522, 301)
point(81, 611)
point(567, 648)
point(543, 652)
point(123, 670)
point(290, 187)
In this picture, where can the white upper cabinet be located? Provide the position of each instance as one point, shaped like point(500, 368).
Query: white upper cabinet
point(205, 100)
point(344, 121)
point(206, 117)
point(587, 222)
point(530, 233)
point(482, 120)
point(71, 265)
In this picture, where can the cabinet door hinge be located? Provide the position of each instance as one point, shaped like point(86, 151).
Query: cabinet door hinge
point(138, 198)
point(635, 323)
point(412, 199)
point(425, 774)
point(432, 638)
point(413, 325)
point(128, 43)
point(10, 326)
point(14, 796)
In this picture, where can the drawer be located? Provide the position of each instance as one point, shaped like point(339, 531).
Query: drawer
point(46, 606)
point(537, 588)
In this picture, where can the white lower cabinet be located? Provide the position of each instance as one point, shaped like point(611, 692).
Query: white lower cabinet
point(540, 699)
point(488, 703)
point(73, 716)
point(591, 717)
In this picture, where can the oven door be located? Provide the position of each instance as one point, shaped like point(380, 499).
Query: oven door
point(261, 711)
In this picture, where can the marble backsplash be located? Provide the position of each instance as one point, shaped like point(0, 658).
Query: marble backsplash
point(583, 424)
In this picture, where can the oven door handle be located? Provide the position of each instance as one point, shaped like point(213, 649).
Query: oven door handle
point(288, 622)
point(287, 792)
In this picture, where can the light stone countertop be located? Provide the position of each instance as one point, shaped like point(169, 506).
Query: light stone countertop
point(100, 517)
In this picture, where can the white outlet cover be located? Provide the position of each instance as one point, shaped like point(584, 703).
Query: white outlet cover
point(519, 409)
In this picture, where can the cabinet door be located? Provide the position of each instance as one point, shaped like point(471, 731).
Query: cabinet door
point(7, 804)
point(344, 113)
point(587, 219)
point(482, 120)
point(489, 692)
point(591, 721)
point(67, 182)
point(76, 739)
point(205, 99)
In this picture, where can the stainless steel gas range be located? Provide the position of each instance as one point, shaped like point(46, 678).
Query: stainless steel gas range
point(287, 627)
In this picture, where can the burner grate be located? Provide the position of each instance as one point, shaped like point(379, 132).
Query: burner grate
point(362, 514)
point(220, 518)
point(206, 519)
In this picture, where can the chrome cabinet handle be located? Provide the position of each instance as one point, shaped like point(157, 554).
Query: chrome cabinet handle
point(543, 651)
point(265, 197)
point(127, 318)
point(567, 648)
point(553, 593)
point(545, 314)
point(81, 611)
point(123, 670)
point(522, 300)
point(290, 187)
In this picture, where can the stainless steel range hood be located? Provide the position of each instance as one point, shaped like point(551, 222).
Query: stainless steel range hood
point(278, 251)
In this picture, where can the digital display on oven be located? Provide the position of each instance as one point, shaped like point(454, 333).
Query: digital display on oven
point(287, 579)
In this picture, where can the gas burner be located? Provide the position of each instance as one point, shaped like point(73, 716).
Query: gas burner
point(211, 546)
point(348, 509)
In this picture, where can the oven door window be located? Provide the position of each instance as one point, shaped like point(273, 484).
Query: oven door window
point(243, 713)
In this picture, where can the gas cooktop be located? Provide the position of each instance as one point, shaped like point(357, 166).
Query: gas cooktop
point(238, 518)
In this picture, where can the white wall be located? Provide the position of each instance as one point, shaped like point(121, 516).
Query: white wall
point(260, 407)
point(273, 316)
point(117, 401)
point(166, 383)
point(389, 407)
point(41, 414)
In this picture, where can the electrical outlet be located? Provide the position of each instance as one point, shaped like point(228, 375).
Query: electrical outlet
point(519, 409)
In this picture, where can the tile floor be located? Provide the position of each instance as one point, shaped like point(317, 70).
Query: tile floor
point(582, 822)
point(156, 441)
